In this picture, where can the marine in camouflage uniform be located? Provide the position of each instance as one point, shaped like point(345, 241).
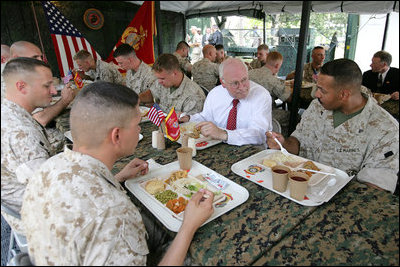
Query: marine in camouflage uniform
point(309, 73)
point(93, 221)
point(256, 64)
point(106, 72)
point(24, 147)
point(188, 97)
point(205, 73)
point(277, 89)
point(184, 63)
point(367, 144)
point(140, 80)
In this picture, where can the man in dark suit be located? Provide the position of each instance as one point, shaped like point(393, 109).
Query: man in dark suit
point(206, 36)
point(216, 38)
point(382, 78)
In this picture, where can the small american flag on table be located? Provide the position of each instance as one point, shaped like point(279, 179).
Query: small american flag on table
point(156, 115)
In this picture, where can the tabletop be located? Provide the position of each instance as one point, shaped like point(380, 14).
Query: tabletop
point(358, 226)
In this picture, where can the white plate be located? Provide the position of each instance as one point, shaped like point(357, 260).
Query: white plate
point(251, 168)
point(202, 142)
point(69, 136)
point(238, 194)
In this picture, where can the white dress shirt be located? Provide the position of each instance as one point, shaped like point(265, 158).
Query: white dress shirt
point(253, 114)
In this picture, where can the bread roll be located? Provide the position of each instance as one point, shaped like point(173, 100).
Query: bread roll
point(155, 186)
point(269, 163)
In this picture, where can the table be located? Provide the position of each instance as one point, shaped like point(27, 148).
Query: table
point(392, 106)
point(360, 225)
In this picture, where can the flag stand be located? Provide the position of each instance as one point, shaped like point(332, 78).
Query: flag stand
point(40, 38)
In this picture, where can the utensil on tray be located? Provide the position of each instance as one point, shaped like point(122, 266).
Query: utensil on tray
point(330, 183)
point(328, 173)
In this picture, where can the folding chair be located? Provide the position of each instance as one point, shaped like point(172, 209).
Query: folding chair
point(15, 238)
point(276, 126)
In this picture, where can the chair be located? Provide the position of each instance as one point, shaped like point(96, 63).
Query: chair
point(204, 90)
point(15, 238)
point(21, 259)
point(276, 127)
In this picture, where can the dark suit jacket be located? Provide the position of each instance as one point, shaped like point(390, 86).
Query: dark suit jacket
point(390, 84)
point(216, 38)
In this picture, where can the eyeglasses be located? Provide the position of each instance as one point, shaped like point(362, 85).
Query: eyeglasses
point(235, 84)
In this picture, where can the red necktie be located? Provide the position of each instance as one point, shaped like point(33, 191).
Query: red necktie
point(231, 124)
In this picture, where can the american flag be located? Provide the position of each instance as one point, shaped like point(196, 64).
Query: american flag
point(66, 38)
point(156, 115)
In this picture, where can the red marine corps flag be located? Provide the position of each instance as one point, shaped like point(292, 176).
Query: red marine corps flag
point(139, 34)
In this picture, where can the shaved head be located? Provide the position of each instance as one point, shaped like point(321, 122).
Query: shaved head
point(25, 49)
point(100, 107)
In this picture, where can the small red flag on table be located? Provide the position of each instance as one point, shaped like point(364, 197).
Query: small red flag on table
point(172, 126)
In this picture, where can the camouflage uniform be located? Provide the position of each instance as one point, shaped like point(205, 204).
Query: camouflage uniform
point(277, 89)
point(76, 213)
point(24, 147)
point(107, 72)
point(205, 73)
point(255, 64)
point(308, 73)
point(367, 143)
point(141, 80)
point(184, 63)
point(188, 97)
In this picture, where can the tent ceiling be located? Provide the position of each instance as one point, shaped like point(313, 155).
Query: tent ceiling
point(198, 8)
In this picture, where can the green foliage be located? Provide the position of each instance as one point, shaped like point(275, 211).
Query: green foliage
point(326, 24)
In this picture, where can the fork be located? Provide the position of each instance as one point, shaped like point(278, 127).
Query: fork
point(283, 150)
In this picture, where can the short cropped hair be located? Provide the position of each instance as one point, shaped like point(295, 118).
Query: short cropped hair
point(124, 50)
point(263, 47)
point(82, 55)
point(384, 57)
point(181, 45)
point(274, 56)
point(219, 47)
point(101, 106)
point(22, 65)
point(207, 48)
point(166, 62)
point(344, 71)
point(317, 47)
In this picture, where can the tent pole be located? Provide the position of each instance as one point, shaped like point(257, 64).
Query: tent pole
point(264, 40)
point(158, 23)
point(385, 32)
point(301, 55)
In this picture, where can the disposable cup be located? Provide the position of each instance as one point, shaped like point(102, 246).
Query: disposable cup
point(185, 157)
point(280, 177)
point(298, 183)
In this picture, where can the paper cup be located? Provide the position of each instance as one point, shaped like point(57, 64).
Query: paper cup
point(184, 157)
point(160, 141)
point(298, 183)
point(185, 139)
point(280, 178)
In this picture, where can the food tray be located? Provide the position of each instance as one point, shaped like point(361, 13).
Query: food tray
point(69, 136)
point(202, 142)
point(231, 196)
point(251, 168)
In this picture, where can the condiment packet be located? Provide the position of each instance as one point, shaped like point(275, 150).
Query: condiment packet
point(215, 181)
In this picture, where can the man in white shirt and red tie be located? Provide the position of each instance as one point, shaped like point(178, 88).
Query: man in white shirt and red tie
point(238, 111)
